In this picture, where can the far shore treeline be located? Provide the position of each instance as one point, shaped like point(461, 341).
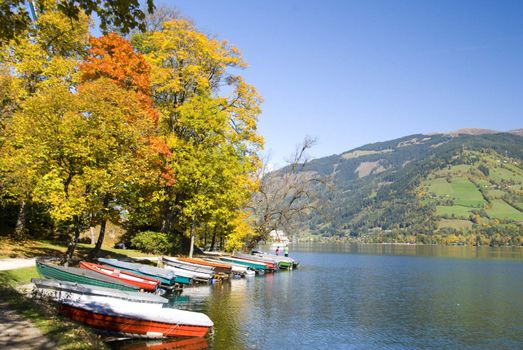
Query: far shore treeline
point(155, 131)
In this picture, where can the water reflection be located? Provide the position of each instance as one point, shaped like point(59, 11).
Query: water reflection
point(483, 252)
point(179, 344)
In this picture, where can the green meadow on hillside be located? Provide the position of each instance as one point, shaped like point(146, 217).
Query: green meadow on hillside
point(488, 186)
point(501, 210)
point(455, 211)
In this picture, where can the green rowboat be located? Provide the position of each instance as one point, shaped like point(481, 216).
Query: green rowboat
point(284, 264)
point(74, 274)
point(250, 264)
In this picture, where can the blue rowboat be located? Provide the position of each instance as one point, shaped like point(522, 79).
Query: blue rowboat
point(166, 277)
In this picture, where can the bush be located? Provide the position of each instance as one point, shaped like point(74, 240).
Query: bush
point(151, 242)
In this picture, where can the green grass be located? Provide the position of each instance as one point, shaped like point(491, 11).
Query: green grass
point(499, 174)
point(496, 193)
point(482, 183)
point(32, 248)
point(457, 210)
point(455, 223)
point(66, 334)
point(461, 168)
point(465, 193)
point(441, 187)
point(501, 210)
point(18, 276)
point(460, 189)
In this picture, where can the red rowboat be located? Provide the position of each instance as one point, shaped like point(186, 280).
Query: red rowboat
point(146, 283)
point(141, 321)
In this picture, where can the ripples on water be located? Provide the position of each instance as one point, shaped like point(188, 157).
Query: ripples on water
point(369, 297)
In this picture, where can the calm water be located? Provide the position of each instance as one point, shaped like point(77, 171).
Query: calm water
point(369, 297)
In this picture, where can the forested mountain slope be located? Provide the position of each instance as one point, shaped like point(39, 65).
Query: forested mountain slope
point(465, 186)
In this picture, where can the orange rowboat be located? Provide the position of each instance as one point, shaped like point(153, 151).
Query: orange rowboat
point(146, 283)
point(144, 323)
point(223, 268)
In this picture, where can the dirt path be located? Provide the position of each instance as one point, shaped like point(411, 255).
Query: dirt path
point(18, 333)
point(15, 331)
point(11, 264)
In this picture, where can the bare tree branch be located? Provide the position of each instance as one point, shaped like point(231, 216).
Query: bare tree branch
point(286, 195)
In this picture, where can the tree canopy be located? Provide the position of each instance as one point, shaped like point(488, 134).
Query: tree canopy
point(123, 15)
point(95, 128)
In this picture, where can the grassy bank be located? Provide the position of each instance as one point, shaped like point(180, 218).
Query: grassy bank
point(32, 248)
point(65, 333)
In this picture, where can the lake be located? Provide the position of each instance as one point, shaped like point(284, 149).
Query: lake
point(347, 296)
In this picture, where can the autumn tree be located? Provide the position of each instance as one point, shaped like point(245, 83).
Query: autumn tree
point(212, 135)
point(112, 58)
point(82, 148)
point(79, 137)
point(38, 57)
point(121, 14)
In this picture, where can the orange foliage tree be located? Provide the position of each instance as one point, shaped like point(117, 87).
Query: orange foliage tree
point(112, 58)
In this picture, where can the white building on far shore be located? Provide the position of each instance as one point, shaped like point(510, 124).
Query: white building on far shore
point(278, 237)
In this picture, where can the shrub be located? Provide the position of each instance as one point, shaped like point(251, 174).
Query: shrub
point(151, 242)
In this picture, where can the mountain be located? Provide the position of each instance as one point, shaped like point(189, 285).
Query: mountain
point(463, 186)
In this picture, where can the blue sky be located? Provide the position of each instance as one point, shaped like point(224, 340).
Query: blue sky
point(355, 72)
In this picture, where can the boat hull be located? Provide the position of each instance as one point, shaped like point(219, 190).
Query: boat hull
point(218, 268)
point(251, 264)
point(189, 266)
point(147, 272)
point(63, 291)
point(131, 327)
point(146, 283)
point(80, 276)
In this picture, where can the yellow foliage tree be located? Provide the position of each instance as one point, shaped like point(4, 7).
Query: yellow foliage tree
point(212, 135)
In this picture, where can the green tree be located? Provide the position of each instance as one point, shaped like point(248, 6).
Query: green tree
point(123, 15)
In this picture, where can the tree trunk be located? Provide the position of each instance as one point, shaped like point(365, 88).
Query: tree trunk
point(91, 229)
point(191, 247)
point(167, 218)
point(213, 240)
point(74, 241)
point(103, 224)
point(20, 221)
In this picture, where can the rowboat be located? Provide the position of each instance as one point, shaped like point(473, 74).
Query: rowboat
point(63, 290)
point(138, 320)
point(197, 276)
point(252, 264)
point(280, 261)
point(146, 283)
point(184, 265)
point(166, 277)
point(294, 263)
point(271, 264)
point(269, 260)
point(74, 274)
point(237, 269)
point(218, 267)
